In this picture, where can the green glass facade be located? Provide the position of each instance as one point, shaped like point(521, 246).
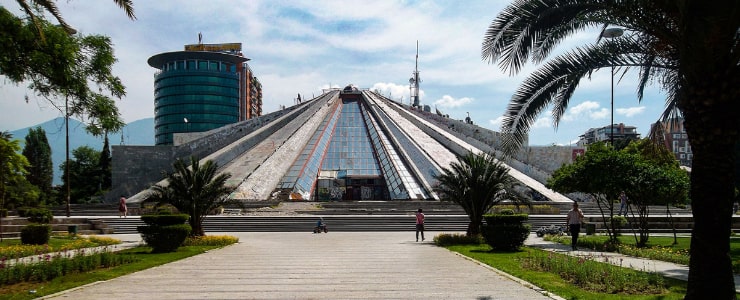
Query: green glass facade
point(194, 92)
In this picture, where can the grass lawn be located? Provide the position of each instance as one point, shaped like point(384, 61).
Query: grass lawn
point(659, 247)
point(511, 263)
point(144, 260)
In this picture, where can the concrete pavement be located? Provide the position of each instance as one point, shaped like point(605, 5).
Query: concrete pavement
point(298, 265)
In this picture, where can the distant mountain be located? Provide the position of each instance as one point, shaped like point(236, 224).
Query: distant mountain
point(139, 132)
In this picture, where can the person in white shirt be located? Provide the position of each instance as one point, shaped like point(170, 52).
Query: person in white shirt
point(574, 220)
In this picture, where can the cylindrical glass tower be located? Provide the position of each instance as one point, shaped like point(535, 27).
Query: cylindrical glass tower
point(195, 91)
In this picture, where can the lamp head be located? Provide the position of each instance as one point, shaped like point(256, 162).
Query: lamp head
point(612, 32)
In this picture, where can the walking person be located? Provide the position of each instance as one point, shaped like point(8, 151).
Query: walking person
point(122, 209)
point(419, 225)
point(574, 220)
point(623, 204)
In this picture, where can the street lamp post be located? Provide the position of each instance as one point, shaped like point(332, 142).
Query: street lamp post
point(611, 33)
point(68, 209)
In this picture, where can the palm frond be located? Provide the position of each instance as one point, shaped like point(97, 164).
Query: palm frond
point(534, 27)
point(128, 7)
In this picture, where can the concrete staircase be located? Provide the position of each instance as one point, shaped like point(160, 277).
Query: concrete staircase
point(11, 226)
point(340, 216)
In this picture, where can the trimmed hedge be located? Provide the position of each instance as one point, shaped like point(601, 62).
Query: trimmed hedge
point(165, 220)
point(39, 215)
point(505, 232)
point(450, 239)
point(164, 238)
point(35, 234)
point(165, 232)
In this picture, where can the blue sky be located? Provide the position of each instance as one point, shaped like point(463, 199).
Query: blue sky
point(305, 46)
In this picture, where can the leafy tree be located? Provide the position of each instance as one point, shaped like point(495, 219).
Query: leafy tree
point(673, 190)
point(194, 190)
point(476, 182)
point(14, 188)
point(688, 47)
point(601, 173)
point(84, 175)
point(35, 9)
point(70, 71)
point(38, 153)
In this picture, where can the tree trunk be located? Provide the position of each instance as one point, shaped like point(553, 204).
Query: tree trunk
point(708, 97)
point(474, 227)
point(710, 111)
point(196, 223)
point(710, 267)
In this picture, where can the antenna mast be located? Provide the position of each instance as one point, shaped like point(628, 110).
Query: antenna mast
point(414, 80)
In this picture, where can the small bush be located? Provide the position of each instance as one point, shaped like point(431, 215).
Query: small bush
point(505, 237)
point(447, 239)
point(505, 232)
point(165, 219)
point(35, 234)
point(39, 215)
point(211, 240)
point(506, 212)
point(21, 211)
point(164, 238)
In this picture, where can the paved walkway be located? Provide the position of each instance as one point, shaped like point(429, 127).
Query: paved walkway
point(296, 265)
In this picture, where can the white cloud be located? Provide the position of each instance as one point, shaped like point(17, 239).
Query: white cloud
point(448, 101)
point(497, 122)
point(304, 46)
point(588, 109)
point(630, 111)
point(543, 122)
point(394, 91)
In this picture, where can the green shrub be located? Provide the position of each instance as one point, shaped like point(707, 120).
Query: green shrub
point(22, 211)
point(165, 219)
point(447, 239)
point(35, 234)
point(505, 232)
point(506, 212)
point(211, 240)
point(164, 232)
point(39, 215)
point(505, 218)
point(3, 212)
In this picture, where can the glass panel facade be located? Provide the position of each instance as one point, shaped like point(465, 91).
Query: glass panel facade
point(304, 171)
point(356, 159)
point(207, 99)
point(427, 168)
point(350, 147)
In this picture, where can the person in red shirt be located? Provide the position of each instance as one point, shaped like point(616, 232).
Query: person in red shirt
point(122, 209)
point(419, 225)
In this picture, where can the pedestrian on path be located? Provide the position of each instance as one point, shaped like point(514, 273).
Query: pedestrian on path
point(574, 220)
point(419, 225)
point(623, 204)
point(122, 209)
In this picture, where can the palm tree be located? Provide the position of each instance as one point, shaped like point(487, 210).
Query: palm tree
point(51, 7)
point(476, 182)
point(689, 47)
point(194, 190)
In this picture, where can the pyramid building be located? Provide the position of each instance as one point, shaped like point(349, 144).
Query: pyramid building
point(347, 144)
